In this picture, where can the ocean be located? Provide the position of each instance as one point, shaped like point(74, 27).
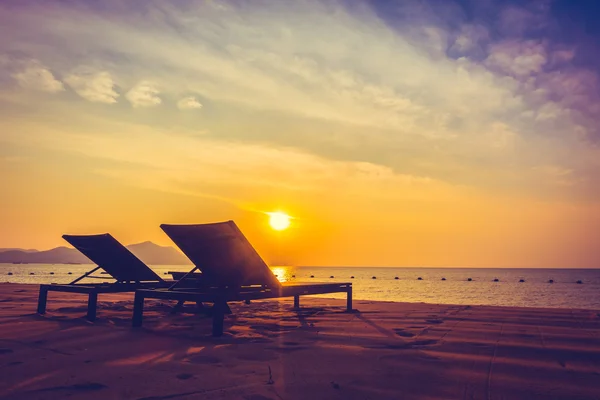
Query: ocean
point(534, 291)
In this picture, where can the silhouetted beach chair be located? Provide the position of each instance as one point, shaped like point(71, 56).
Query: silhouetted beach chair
point(231, 269)
point(128, 271)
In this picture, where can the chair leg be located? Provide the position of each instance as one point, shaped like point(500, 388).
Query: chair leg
point(138, 310)
point(296, 301)
point(92, 303)
point(42, 299)
point(349, 300)
point(219, 310)
point(177, 307)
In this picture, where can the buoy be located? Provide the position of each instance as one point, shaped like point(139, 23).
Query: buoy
point(331, 276)
point(164, 273)
point(551, 281)
point(521, 280)
point(31, 273)
point(419, 279)
point(10, 273)
point(374, 277)
point(396, 278)
point(312, 276)
point(293, 276)
point(352, 277)
point(469, 279)
point(51, 273)
point(579, 282)
point(443, 279)
point(496, 280)
point(70, 273)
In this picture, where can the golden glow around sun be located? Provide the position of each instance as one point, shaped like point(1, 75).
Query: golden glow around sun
point(279, 221)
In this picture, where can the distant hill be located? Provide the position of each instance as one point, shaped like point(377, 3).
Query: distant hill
point(148, 252)
point(13, 249)
point(151, 253)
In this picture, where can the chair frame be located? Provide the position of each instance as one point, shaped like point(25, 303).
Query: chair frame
point(220, 296)
point(219, 292)
point(123, 257)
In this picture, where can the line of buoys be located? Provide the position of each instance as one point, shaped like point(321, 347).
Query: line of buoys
point(579, 282)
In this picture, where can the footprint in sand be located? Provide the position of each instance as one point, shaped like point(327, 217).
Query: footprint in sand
point(6, 351)
point(184, 377)
point(434, 321)
point(403, 333)
point(256, 397)
point(424, 342)
point(289, 349)
point(12, 364)
point(79, 387)
point(203, 360)
point(258, 356)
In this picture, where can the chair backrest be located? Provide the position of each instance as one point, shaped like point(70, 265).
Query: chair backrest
point(113, 257)
point(223, 254)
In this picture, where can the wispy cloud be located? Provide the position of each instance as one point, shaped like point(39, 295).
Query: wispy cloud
point(189, 103)
point(421, 90)
point(144, 94)
point(92, 85)
point(34, 75)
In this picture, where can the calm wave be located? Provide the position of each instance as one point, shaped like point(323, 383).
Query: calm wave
point(535, 291)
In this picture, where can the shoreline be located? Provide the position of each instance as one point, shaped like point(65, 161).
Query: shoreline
point(387, 350)
point(325, 297)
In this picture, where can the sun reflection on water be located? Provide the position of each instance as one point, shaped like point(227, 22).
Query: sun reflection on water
point(283, 273)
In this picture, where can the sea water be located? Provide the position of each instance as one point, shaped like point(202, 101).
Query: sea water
point(375, 283)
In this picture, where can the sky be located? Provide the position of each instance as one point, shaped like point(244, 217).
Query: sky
point(395, 133)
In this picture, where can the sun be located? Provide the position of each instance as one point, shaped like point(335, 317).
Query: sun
point(279, 221)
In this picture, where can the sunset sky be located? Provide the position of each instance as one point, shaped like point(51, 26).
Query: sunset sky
point(395, 133)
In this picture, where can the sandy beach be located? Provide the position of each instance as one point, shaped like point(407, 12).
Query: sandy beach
point(269, 351)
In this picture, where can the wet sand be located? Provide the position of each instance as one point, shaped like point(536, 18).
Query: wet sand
point(270, 351)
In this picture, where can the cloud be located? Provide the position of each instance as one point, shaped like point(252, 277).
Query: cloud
point(518, 58)
point(144, 94)
point(189, 103)
point(470, 41)
point(430, 93)
point(94, 86)
point(36, 76)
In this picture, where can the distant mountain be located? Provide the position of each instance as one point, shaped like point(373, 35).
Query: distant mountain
point(148, 252)
point(154, 254)
point(59, 255)
point(15, 249)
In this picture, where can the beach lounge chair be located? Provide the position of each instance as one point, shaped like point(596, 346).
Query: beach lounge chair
point(232, 270)
point(128, 271)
